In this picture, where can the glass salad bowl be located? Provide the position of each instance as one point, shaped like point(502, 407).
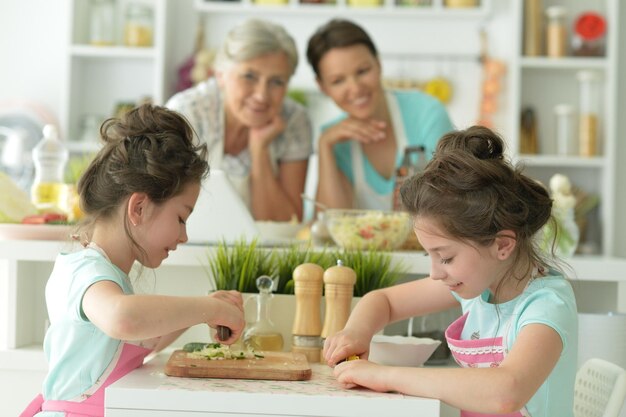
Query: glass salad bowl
point(368, 229)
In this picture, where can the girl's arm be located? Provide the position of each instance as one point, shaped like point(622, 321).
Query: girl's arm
point(138, 317)
point(505, 389)
point(381, 307)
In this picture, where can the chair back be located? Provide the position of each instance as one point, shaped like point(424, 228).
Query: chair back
point(600, 389)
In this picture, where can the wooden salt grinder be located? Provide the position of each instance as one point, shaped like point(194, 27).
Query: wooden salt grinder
point(338, 289)
point(307, 323)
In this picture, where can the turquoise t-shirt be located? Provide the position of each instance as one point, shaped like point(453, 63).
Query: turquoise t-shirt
point(425, 120)
point(547, 300)
point(78, 352)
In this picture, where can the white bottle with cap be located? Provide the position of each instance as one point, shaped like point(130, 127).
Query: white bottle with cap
point(49, 192)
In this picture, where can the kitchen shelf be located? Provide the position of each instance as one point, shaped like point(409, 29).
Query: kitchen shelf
point(342, 8)
point(562, 161)
point(542, 83)
point(88, 51)
point(563, 63)
point(27, 358)
point(99, 78)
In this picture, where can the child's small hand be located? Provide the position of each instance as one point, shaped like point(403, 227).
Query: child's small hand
point(233, 297)
point(361, 373)
point(344, 344)
point(227, 313)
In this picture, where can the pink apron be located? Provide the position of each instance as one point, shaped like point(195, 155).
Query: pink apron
point(131, 358)
point(478, 353)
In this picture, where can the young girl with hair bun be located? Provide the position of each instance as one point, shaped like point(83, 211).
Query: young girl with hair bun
point(136, 195)
point(476, 216)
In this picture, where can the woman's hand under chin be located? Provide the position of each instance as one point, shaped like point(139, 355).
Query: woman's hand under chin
point(364, 131)
point(261, 137)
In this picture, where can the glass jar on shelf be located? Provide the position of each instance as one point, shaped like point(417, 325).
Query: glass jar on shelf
point(589, 35)
point(556, 32)
point(102, 23)
point(139, 24)
point(589, 112)
point(565, 133)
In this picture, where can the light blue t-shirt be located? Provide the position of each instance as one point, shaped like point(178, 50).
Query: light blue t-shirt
point(425, 120)
point(78, 352)
point(547, 300)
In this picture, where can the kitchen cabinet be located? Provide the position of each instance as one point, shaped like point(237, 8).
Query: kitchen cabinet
point(542, 83)
point(148, 392)
point(98, 78)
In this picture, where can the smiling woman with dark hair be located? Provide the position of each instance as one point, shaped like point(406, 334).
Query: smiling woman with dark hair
point(360, 151)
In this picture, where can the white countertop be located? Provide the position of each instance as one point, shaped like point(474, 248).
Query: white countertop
point(586, 268)
point(148, 391)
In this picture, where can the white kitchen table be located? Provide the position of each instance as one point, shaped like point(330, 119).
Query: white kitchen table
point(147, 391)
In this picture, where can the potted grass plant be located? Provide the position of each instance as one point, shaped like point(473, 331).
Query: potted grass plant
point(237, 266)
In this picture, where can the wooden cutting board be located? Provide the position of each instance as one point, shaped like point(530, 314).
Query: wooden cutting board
point(279, 366)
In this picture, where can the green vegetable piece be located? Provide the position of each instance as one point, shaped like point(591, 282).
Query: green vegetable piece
point(194, 346)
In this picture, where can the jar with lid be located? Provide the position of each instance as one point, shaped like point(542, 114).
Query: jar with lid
point(102, 23)
point(139, 25)
point(556, 32)
point(589, 35)
point(564, 130)
point(589, 112)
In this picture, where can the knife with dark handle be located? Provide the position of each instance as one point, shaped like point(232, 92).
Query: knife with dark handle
point(223, 333)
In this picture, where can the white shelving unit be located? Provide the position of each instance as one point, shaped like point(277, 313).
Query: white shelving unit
point(542, 83)
point(98, 78)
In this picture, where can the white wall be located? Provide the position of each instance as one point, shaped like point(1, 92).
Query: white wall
point(32, 35)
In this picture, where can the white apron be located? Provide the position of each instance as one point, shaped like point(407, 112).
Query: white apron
point(365, 197)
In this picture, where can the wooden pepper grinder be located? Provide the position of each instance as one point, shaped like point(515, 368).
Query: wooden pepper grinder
point(339, 283)
point(307, 324)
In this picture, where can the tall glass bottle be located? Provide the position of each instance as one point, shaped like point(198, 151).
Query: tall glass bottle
point(589, 112)
point(49, 191)
point(263, 334)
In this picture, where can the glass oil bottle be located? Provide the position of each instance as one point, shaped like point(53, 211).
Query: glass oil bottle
point(263, 334)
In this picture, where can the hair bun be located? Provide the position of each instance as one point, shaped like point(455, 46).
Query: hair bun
point(479, 141)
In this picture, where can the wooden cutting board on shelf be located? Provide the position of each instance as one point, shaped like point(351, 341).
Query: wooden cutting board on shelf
point(278, 366)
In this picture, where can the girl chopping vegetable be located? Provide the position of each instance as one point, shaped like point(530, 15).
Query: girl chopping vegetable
point(476, 216)
point(136, 195)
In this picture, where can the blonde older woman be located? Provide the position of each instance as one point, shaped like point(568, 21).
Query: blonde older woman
point(260, 137)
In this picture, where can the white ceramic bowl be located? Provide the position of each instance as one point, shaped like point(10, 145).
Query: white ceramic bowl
point(401, 350)
point(368, 229)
